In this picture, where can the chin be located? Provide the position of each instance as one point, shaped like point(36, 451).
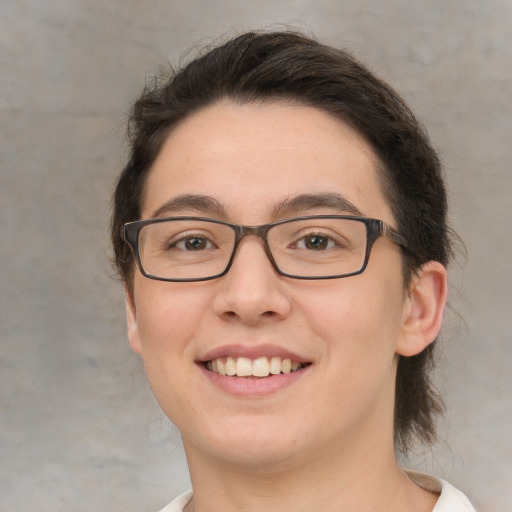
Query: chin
point(251, 447)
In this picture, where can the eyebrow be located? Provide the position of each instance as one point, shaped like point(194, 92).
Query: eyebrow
point(292, 206)
point(305, 202)
point(187, 202)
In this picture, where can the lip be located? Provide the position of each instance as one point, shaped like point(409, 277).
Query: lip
point(243, 387)
point(253, 387)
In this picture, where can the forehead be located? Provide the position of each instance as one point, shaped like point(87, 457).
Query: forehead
point(252, 157)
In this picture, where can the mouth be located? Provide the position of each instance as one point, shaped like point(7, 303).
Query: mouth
point(258, 368)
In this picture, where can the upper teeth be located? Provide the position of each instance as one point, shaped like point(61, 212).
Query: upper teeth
point(245, 367)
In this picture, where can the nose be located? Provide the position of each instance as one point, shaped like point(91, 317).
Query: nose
point(252, 291)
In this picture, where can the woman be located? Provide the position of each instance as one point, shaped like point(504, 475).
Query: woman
point(280, 229)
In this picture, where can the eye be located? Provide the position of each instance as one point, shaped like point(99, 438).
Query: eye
point(316, 242)
point(192, 243)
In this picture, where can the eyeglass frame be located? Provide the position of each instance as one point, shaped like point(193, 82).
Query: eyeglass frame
point(375, 228)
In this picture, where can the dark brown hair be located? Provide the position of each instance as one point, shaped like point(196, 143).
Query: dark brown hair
point(292, 67)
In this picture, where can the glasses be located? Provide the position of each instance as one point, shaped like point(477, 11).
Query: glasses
point(310, 247)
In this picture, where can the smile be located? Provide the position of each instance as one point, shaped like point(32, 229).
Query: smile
point(260, 367)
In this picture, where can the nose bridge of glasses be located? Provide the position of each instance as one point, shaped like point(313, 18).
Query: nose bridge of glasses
point(254, 231)
point(258, 231)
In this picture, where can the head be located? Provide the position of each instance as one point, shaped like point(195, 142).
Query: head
point(260, 68)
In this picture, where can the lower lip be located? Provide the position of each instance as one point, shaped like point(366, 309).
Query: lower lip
point(253, 387)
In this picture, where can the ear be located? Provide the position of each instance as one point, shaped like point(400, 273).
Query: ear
point(423, 309)
point(131, 321)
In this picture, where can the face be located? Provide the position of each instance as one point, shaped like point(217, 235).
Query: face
point(253, 161)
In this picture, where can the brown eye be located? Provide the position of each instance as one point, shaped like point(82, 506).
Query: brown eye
point(195, 244)
point(316, 242)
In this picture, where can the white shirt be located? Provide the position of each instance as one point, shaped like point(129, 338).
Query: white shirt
point(450, 499)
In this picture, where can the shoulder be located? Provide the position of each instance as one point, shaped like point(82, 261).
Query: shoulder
point(179, 503)
point(450, 499)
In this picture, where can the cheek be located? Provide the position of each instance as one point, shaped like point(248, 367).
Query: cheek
point(168, 314)
point(356, 321)
point(168, 317)
point(355, 330)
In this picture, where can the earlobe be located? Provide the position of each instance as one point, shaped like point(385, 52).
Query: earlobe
point(423, 309)
point(131, 321)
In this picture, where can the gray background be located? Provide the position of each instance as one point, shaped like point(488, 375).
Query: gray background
point(79, 429)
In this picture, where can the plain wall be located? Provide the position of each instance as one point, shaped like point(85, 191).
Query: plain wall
point(79, 429)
